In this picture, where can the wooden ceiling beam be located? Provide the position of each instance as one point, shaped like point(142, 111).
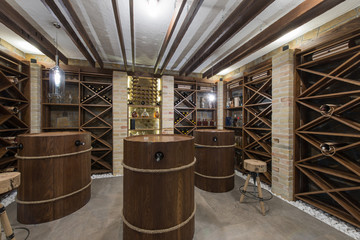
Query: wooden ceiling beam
point(132, 31)
point(18, 24)
point(174, 20)
point(300, 15)
point(245, 12)
point(119, 31)
point(184, 27)
point(56, 12)
point(80, 28)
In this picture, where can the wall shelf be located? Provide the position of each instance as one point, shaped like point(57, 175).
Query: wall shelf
point(188, 99)
point(86, 107)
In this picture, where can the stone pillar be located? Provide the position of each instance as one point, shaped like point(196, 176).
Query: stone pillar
point(283, 123)
point(120, 125)
point(167, 105)
point(35, 98)
point(220, 105)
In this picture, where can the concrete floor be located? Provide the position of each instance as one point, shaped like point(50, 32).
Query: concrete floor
point(218, 217)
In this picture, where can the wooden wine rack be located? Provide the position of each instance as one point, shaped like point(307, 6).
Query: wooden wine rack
point(257, 117)
point(327, 143)
point(189, 112)
point(87, 106)
point(14, 106)
point(144, 94)
point(253, 113)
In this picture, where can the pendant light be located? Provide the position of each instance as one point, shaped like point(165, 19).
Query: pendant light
point(56, 77)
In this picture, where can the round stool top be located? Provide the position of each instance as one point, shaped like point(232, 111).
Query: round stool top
point(9, 181)
point(254, 165)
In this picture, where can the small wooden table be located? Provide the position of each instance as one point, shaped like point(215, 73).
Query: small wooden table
point(8, 181)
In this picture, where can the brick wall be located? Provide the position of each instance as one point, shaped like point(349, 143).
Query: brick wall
point(167, 105)
point(220, 105)
point(35, 98)
point(283, 123)
point(119, 119)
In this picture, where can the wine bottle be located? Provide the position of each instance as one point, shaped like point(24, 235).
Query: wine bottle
point(12, 109)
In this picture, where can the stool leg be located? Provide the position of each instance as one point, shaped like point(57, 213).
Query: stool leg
point(6, 223)
point(245, 187)
point(262, 206)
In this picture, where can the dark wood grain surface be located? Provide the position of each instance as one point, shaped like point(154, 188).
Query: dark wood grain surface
point(48, 178)
point(159, 200)
point(216, 162)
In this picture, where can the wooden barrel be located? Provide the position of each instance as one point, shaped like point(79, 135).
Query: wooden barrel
point(214, 152)
point(53, 186)
point(158, 188)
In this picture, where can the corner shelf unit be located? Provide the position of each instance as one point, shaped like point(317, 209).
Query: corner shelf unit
point(327, 127)
point(87, 106)
point(144, 106)
point(193, 108)
point(14, 106)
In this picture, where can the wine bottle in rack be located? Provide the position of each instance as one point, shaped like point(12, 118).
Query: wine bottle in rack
point(12, 109)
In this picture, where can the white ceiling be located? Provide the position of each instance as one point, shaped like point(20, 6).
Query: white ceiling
point(151, 25)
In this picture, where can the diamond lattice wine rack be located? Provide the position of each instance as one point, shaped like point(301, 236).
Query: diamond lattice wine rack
point(327, 158)
point(14, 106)
point(257, 117)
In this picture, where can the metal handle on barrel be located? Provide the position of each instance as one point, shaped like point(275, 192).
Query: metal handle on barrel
point(79, 143)
point(18, 146)
point(159, 156)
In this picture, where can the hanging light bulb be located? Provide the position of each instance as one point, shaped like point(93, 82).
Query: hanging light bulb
point(56, 77)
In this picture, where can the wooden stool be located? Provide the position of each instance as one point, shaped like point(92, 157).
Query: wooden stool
point(254, 167)
point(8, 182)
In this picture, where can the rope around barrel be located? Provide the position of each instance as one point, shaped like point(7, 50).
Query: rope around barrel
point(211, 146)
point(53, 199)
point(158, 170)
point(214, 177)
point(165, 230)
point(54, 156)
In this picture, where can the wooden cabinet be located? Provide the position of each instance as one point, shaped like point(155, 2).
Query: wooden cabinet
point(144, 106)
point(194, 106)
point(86, 106)
point(327, 142)
point(14, 106)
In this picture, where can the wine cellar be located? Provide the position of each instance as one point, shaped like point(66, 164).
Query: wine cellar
point(179, 120)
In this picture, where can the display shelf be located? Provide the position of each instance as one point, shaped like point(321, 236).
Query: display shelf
point(144, 105)
point(79, 111)
point(14, 106)
point(327, 132)
point(189, 96)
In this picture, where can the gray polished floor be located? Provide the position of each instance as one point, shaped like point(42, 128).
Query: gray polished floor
point(218, 217)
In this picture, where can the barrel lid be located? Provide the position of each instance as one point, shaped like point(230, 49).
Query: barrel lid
point(159, 138)
point(52, 134)
point(214, 130)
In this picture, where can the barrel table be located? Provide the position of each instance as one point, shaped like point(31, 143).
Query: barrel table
point(158, 188)
point(214, 169)
point(55, 175)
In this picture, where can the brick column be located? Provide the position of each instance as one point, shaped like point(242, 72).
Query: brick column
point(35, 98)
point(220, 105)
point(167, 105)
point(119, 119)
point(283, 124)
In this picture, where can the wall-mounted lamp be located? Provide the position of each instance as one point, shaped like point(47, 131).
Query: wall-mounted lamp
point(56, 77)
